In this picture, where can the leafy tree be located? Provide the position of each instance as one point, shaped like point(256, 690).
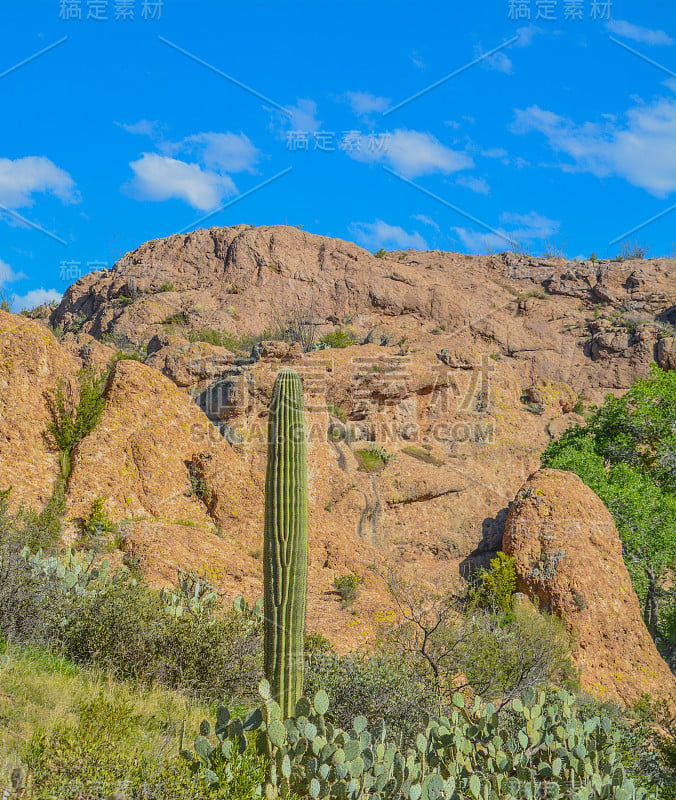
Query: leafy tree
point(73, 417)
point(626, 453)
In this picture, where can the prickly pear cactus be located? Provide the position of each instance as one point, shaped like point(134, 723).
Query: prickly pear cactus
point(285, 544)
point(539, 750)
point(191, 595)
point(76, 573)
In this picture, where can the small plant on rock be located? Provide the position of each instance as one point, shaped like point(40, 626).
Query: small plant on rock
point(347, 586)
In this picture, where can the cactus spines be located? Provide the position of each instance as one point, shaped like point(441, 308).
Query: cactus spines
point(285, 544)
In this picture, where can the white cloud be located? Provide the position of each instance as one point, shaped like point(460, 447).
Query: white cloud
point(526, 33)
point(410, 152)
point(202, 182)
point(427, 221)
point(670, 83)
point(36, 297)
point(637, 33)
point(495, 152)
point(222, 152)
point(641, 150)
point(7, 274)
point(500, 61)
point(516, 230)
point(478, 185)
point(374, 235)
point(162, 178)
point(417, 61)
point(364, 103)
point(24, 177)
point(144, 127)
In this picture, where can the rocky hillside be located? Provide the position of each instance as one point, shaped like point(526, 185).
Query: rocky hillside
point(421, 431)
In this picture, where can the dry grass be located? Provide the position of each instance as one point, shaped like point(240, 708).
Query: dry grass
point(40, 691)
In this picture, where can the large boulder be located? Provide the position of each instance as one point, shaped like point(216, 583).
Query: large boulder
point(568, 558)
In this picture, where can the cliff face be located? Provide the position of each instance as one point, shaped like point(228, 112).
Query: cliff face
point(594, 326)
point(420, 433)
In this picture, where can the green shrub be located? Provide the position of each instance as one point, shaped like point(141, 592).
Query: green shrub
point(74, 418)
point(102, 755)
point(380, 253)
point(127, 355)
point(167, 286)
point(95, 529)
point(29, 605)
point(237, 344)
point(6, 301)
point(347, 586)
point(373, 686)
point(495, 587)
point(178, 318)
point(42, 529)
point(126, 630)
point(373, 459)
point(336, 411)
point(496, 654)
point(117, 623)
point(77, 323)
point(339, 338)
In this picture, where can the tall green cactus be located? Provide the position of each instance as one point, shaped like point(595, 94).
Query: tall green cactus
point(285, 545)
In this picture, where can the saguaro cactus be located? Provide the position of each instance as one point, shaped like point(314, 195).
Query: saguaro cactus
point(285, 545)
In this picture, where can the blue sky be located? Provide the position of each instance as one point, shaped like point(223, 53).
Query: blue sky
point(321, 114)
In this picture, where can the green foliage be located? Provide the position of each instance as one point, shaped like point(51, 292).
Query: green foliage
point(198, 485)
point(496, 586)
point(336, 411)
point(543, 751)
point(74, 418)
point(373, 459)
point(645, 741)
point(167, 286)
point(77, 323)
point(126, 630)
point(339, 338)
point(534, 408)
point(6, 301)
point(127, 355)
point(100, 756)
point(75, 733)
point(236, 344)
point(633, 250)
point(42, 529)
point(380, 253)
point(57, 330)
point(451, 644)
point(97, 527)
point(285, 542)
point(347, 586)
point(383, 685)
point(626, 453)
point(114, 622)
